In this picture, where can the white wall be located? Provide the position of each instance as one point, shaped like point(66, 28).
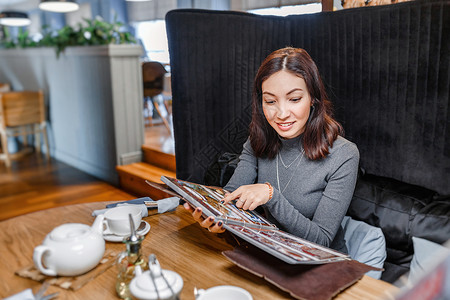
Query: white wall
point(94, 98)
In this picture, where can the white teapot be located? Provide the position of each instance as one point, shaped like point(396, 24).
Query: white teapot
point(155, 283)
point(71, 249)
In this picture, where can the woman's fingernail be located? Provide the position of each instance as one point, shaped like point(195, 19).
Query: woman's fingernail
point(219, 223)
point(197, 209)
point(211, 219)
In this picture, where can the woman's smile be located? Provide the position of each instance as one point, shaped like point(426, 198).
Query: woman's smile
point(285, 126)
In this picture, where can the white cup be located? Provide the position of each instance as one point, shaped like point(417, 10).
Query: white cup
point(224, 292)
point(117, 221)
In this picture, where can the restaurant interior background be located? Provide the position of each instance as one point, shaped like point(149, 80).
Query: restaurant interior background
point(94, 95)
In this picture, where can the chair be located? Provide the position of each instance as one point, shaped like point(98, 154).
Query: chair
point(153, 75)
point(4, 87)
point(365, 243)
point(21, 114)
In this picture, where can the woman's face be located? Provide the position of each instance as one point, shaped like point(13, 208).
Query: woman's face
point(286, 103)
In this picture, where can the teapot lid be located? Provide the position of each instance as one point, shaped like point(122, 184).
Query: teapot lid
point(69, 232)
point(147, 287)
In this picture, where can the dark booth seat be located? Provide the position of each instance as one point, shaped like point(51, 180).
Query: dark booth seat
point(402, 211)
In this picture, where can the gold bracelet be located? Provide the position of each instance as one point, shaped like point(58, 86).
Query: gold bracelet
point(270, 190)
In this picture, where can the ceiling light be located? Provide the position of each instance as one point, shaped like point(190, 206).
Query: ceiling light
point(61, 6)
point(14, 18)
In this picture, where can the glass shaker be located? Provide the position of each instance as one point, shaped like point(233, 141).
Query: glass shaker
point(127, 262)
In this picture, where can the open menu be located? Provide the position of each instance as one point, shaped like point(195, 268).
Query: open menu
point(251, 226)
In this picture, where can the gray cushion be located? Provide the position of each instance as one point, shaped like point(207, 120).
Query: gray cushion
point(365, 243)
point(426, 254)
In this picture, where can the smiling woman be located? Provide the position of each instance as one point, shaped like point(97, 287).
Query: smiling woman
point(295, 164)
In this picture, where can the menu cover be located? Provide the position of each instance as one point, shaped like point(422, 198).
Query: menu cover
point(251, 226)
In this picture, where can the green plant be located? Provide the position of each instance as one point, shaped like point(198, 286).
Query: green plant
point(93, 32)
point(23, 40)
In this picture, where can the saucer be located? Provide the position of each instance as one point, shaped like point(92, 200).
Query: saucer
point(119, 238)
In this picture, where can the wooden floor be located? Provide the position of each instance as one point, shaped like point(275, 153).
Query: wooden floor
point(159, 138)
point(34, 183)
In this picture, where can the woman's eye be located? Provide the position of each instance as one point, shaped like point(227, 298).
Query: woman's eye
point(267, 101)
point(296, 99)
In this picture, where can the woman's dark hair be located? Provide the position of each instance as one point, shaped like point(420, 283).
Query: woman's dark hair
point(321, 129)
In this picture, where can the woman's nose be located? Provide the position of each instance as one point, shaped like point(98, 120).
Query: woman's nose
point(282, 111)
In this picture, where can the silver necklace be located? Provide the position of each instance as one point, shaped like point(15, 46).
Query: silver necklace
point(293, 173)
point(282, 162)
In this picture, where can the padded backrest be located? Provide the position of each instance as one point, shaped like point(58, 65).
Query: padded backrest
point(386, 68)
point(214, 56)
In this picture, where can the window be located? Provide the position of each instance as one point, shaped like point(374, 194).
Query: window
point(289, 10)
point(152, 35)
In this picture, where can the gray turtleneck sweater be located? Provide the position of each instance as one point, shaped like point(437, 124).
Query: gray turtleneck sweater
point(310, 197)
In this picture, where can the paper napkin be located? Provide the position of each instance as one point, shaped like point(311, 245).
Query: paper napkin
point(163, 205)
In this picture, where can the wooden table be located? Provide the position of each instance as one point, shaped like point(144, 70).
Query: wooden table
point(179, 243)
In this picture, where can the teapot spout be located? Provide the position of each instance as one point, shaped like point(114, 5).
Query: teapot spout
point(97, 226)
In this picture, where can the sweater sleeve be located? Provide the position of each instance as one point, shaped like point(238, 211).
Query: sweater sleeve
point(332, 205)
point(246, 170)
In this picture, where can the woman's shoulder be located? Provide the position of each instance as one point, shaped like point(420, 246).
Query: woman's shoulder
point(248, 145)
point(344, 147)
point(247, 148)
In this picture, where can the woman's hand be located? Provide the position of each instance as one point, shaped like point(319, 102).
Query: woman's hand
point(206, 223)
point(250, 196)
